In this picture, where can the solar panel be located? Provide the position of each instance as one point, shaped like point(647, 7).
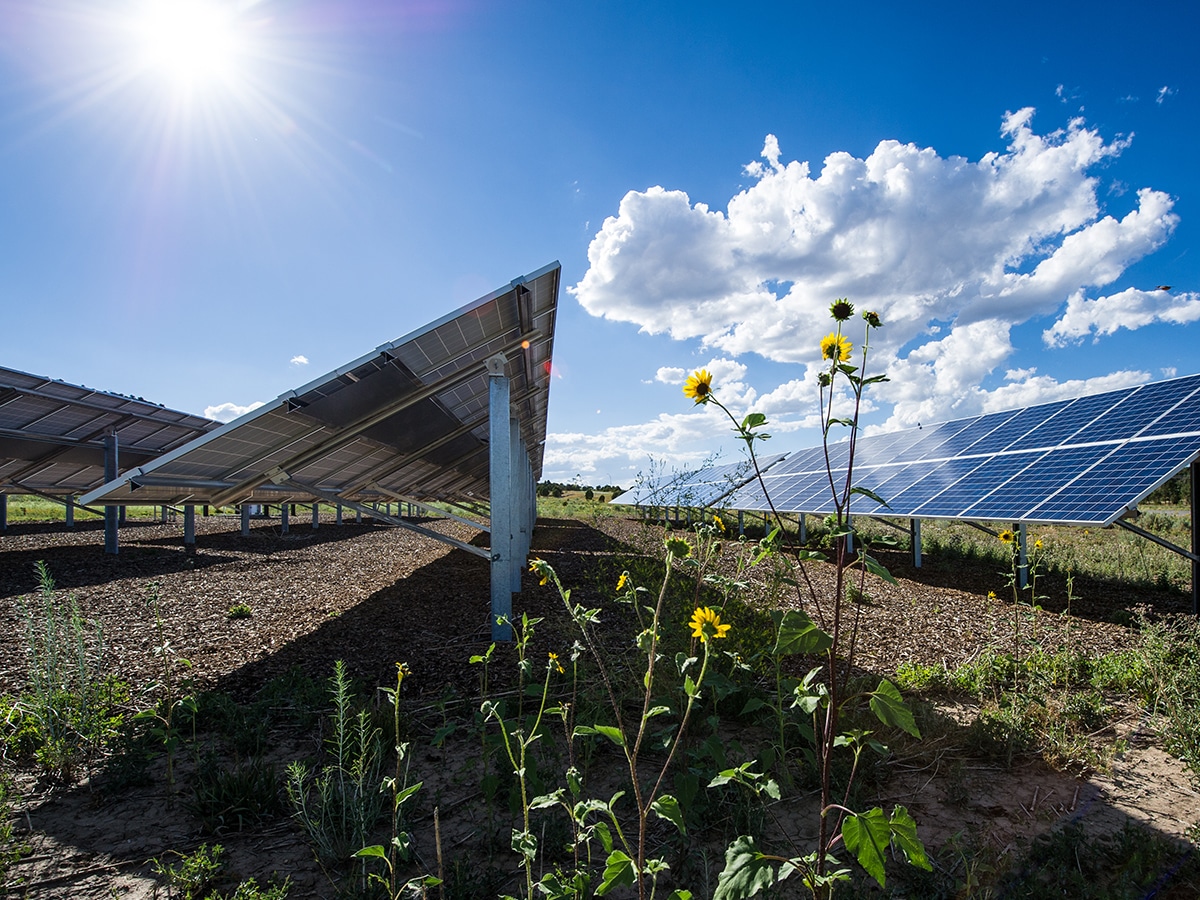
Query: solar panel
point(700, 488)
point(52, 433)
point(409, 419)
point(1085, 461)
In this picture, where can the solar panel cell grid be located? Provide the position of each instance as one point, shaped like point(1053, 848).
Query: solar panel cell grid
point(1015, 499)
point(1071, 419)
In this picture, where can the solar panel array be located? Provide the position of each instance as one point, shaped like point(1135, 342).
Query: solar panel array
point(1084, 461)
point(409, 419)
point(698, 488)
point(52, 433)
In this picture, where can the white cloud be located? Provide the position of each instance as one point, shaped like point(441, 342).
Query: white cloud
point(1163, 93)
point(1129, 309)
point(299, 360)
point(671, 375)
point(227, 412)
point(951, 253)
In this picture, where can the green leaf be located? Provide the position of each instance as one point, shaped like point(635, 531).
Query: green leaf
point(680, 894)
point(618, 870)
point(904, 836)
point(746, 872)
point(609, 731)
point(754, 420)
point(606, 840)
point(374, 851)
point(545, 800)
point(690, 687)
point(657, 711)
point(799, 634)
point(872, 565)
point(867, 837)
point(867, 492)
point(890, 709)
point(667, 808)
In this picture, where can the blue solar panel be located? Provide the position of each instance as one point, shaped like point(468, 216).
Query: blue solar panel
point(934, 437)
point(1017, 496)
point(1132, 414)
point(1066, 422)
point(995, 471)
point(1083, 460)
point(1024, 421)
point(961, 444)
point(1183, 416)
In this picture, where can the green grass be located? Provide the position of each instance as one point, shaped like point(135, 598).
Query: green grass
point(24, 508)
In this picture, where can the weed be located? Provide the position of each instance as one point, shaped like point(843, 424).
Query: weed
point(339, 804)
point(229, 798)
point(193, 875)
point(239, 611)
point(11, 848)
point(70, 704)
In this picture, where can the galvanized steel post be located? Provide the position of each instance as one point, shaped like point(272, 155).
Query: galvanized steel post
point(111, 513)
point(500, 490)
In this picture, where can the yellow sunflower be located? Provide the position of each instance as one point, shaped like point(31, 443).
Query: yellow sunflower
point(706, 623)
point(835, 347)
point(698, 387)
point(622, 581)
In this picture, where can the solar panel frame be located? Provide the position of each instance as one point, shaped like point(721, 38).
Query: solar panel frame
point(52, 433)
point(408, 419)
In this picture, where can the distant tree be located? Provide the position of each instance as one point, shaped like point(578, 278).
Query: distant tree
point(588, 494)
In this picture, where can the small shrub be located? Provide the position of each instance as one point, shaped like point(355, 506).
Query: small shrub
point(70, 703)
point(195, 872)
point(239, 611)
point(338, 805)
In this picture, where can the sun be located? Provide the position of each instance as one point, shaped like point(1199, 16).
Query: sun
point(190, 42)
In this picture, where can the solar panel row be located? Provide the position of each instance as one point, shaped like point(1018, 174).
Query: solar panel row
point(1083, 461)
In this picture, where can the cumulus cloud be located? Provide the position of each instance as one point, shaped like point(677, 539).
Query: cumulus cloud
point(1130, 308)
point(299, 360)
point(671, 375)
point(227, 412)
point(952, 254)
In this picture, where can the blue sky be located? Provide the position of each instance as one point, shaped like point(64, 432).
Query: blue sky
point(209, 221)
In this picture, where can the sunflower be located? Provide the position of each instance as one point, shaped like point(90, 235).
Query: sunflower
point(554, 663)
point(835, 347)
point(1006, 536)
point(706, 623)
point(541, 569)
point(622, 581)
point(872, 319)
point(842, 309)
point(698, 387)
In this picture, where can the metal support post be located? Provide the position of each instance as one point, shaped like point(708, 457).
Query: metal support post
point(316, 520)
point(245, 520)
point(70, 511)
point(914, 530)
point(849, 537)
point(3, 512)
point(801, 529)
point(358, 516)
point(121, 515)
point(1022, 557)
point(163, 514)
point(189, 525)
point(284, 520)
point(500, 491)
point(111, 514)
point(339, 513)
point(1195, 472)
point(741, 523)
point(516, 504)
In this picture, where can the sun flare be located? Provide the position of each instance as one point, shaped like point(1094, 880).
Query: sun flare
point(193, 42)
